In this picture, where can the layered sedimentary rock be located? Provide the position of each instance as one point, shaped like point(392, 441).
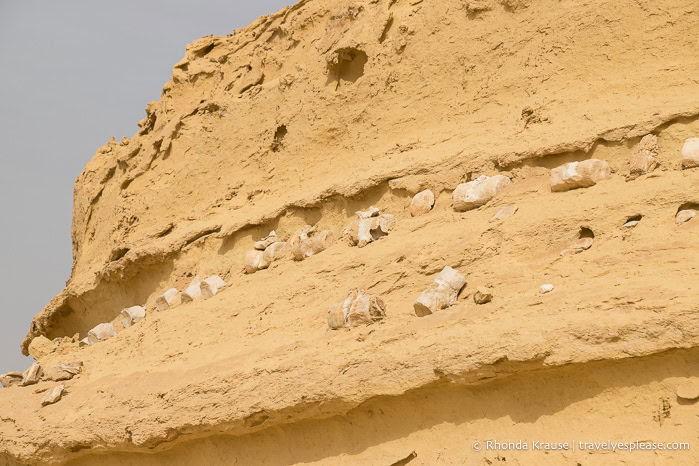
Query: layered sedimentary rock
point(330, 107)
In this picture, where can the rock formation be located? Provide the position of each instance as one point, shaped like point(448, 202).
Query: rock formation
point(327, 108)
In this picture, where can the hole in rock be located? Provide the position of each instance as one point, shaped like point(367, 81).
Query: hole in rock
point(347, 65)
point(632, 221)
point(386, 29)
point(586, 233)
point(279, 135)
point(118, 254)
point(205, 51)
point(688, 206)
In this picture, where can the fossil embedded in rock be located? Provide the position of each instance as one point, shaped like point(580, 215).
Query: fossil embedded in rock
point(444, 292)
point(358, 308)
point(579, 174)
point(503, 213)
point(11, 379)
point(193, 291)
point(644, 158)
point(685, 215)
point(62, 371)
point(101, 332)
point(31, 375)
point(422, 203)
point(479, 192)
point(266, 241)
point(53, 395)
point(370, 212)
point(274, 251)
point(131, 315)
point(690, 153)
point(167, 300)
point(309, 241)
point(211, 286)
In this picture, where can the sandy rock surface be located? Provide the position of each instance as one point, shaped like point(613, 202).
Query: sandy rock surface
point(331, 107)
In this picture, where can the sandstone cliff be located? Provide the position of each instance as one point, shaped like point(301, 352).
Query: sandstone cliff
point(329, 107)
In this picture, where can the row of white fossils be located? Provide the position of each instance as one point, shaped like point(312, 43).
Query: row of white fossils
point(371, 226)
point(197, 289)
point(360, 307)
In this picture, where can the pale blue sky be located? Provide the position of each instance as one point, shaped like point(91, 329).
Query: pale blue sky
point(74, 73)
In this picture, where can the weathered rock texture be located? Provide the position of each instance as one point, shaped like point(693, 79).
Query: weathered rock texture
point(325, 109)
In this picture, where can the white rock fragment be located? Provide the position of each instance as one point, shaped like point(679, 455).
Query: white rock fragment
point(482, 295)
point(265, 242)
point(422, 203)
point(690, 153)
point(211, 286)
point(309, 241)
point(372, 229)
point(580, 245)
point(62, 371)
point(370, 212)
point(631, 224)
point(368, 228)
point(685, 215)
point(259, 260)
point(131, 315)
point(101, 332)
point(547, 288)
point(254, 261)
point(444, 292)
point(193, 291)
point(579, 174)
point(479, 192)
point(502, 214)
point(274, 251)
point(168, 300)
point(53, 395)
point(31, 375)
point(11, 379)
point(688, 390)
point(644, 158)
point(359, 308)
